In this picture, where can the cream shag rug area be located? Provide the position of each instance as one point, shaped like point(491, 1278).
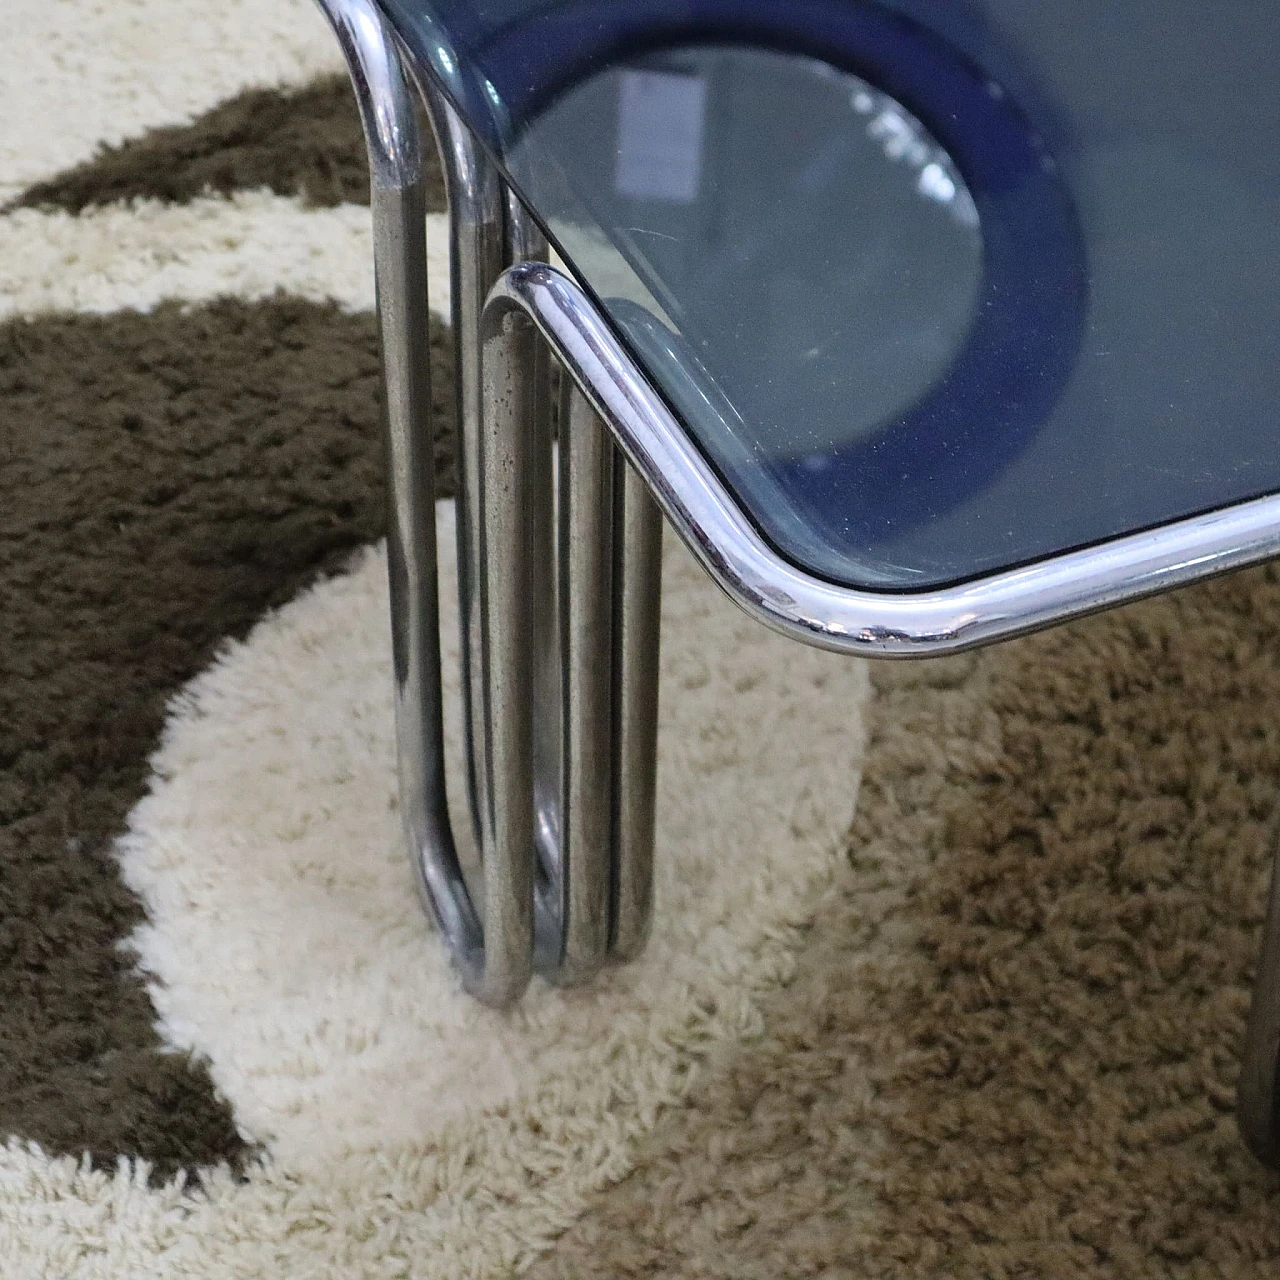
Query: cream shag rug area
point(990, 1029)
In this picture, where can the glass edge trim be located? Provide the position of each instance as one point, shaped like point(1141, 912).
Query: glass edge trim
point(890, 624)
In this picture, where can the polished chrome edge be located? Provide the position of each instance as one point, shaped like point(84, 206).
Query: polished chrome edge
point(845, 619)
point(1258, 1103)
point(382, 93)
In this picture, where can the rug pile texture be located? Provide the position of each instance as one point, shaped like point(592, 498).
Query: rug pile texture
point(952, 960)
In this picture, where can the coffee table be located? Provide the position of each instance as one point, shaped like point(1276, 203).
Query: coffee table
point(924, 324)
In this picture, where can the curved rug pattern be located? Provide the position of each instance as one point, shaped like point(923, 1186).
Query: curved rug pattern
point(990, 1029)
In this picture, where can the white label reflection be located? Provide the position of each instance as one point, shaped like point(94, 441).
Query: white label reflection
point(661, 122)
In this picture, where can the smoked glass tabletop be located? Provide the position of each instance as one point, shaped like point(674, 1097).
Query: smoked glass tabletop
point(938, 286)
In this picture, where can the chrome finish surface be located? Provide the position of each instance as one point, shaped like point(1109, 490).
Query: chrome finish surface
point(637, 592)
point(586, 561)
point(585, 854)
point(526, 243)
point(493, 954)
point(537, 639)
point(504, 690)
point(382, 94)
point(588, 860)
point(1258, 1105)
point(839, 618)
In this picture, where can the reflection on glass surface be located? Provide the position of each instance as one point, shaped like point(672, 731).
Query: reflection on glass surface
point(801, 232)
point(939, 285)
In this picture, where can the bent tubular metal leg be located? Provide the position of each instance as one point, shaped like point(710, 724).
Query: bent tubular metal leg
point(559, 579)
point(617, 557)
point(588, 861)
point(477, 256)
point(493, 945)
point(570, 599)
point(637, 588)
point(1259, 1101)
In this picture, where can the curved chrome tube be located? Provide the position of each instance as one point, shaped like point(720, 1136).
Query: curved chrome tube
point(552, 707)
point(594, 892)
point(493, 945)
point(386, 110)
point(477, 256)
point(917, 624)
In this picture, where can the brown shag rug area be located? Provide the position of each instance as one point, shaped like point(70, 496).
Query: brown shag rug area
point(1012, 1042)
point(995, 1033)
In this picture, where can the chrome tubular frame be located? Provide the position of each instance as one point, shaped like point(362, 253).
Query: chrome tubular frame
point(492, 943)
point(1258, 1104)
point(559, 580)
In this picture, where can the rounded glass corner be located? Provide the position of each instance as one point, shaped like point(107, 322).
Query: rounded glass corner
point(1100, 358)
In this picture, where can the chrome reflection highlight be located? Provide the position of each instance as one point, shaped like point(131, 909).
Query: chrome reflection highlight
point(889, 625)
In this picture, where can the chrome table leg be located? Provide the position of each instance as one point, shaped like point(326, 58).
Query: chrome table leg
point(577, 546)
point(607, 595)
point(477, 256)
point(559, 579)
point(586, 561)
point(493, 951)
point(526, 243)
point(1259, 1100)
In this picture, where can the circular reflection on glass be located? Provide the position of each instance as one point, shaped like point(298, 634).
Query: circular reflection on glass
point(816, 250)
point(861, 260)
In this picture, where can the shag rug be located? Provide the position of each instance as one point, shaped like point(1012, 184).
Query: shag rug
point(952, 960)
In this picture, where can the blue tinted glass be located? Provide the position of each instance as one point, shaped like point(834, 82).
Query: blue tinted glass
point(940, 286)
